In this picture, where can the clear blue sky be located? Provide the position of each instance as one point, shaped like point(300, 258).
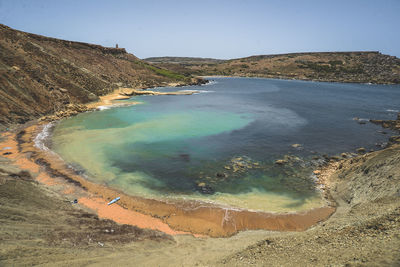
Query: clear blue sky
point(219, 29)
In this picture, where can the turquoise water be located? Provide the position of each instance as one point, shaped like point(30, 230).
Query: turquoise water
point(220, 145)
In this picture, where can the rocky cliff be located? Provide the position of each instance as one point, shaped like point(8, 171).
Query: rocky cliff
point(41, 75)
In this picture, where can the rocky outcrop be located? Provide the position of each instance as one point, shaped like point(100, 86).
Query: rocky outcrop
point(133, 92)
point(364, 231)
point(391, 124)
point(71, 110)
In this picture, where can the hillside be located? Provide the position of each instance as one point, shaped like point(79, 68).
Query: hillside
point(360, 67)
point(40, 75)
point(184, 60)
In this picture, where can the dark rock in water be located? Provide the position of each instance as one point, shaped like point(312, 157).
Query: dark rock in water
point(335, 158)
point(185, 157)
point(381, 145)
point(360, 121)
point(221, 175)
point(361, 150)
point(298, 146)
point(205, 189)
point(394, 139)
point(280, 161)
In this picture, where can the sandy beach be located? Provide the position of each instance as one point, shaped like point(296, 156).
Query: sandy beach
point(202, 219)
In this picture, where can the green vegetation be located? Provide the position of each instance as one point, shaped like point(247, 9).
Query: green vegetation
point(335, 62)
point(163, 72)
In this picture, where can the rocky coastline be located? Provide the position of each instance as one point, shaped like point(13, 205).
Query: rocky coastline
point(51, 215)
point(347, 67)
point(330, 177)
point(25, 139)
point(175, 216)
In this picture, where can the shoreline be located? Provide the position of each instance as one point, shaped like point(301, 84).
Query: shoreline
point(205, 220)
point(293, 79)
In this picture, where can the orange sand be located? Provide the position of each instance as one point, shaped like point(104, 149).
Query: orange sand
point(113, 212)
point(124, 216)
point(205, 219)
point(109, 99)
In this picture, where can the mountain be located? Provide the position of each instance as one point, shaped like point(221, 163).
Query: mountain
point(357, 66)
point(41, 75)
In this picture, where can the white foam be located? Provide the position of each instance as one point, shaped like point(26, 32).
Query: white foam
point(212, 82)
point(103, 107)
point(197, 91)
point(41, 137)
point(393, 110)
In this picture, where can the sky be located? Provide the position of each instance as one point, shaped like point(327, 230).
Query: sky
point(217, 29)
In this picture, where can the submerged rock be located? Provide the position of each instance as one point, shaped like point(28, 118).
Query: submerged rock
point(221, 175)
point(297, 146)
point(361, 150)
point(185, 157)
point(205, 189)
point(280, 161)
point(394, 139)
point(335, 158)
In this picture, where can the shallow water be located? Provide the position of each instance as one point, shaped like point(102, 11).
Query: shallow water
point(220, 145)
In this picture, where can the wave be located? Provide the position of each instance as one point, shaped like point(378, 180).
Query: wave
point(212, 82)
point(40, 139)
point(103, 107)
point(197, 91)
point(393, 110)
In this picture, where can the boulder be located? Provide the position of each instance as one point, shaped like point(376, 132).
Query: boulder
point(280, 161)
point(221, 175)
point(92, 97)
point(205, 189)
point(361, 150)
point(394, 139)
point(298, 146)
point(335, 158)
